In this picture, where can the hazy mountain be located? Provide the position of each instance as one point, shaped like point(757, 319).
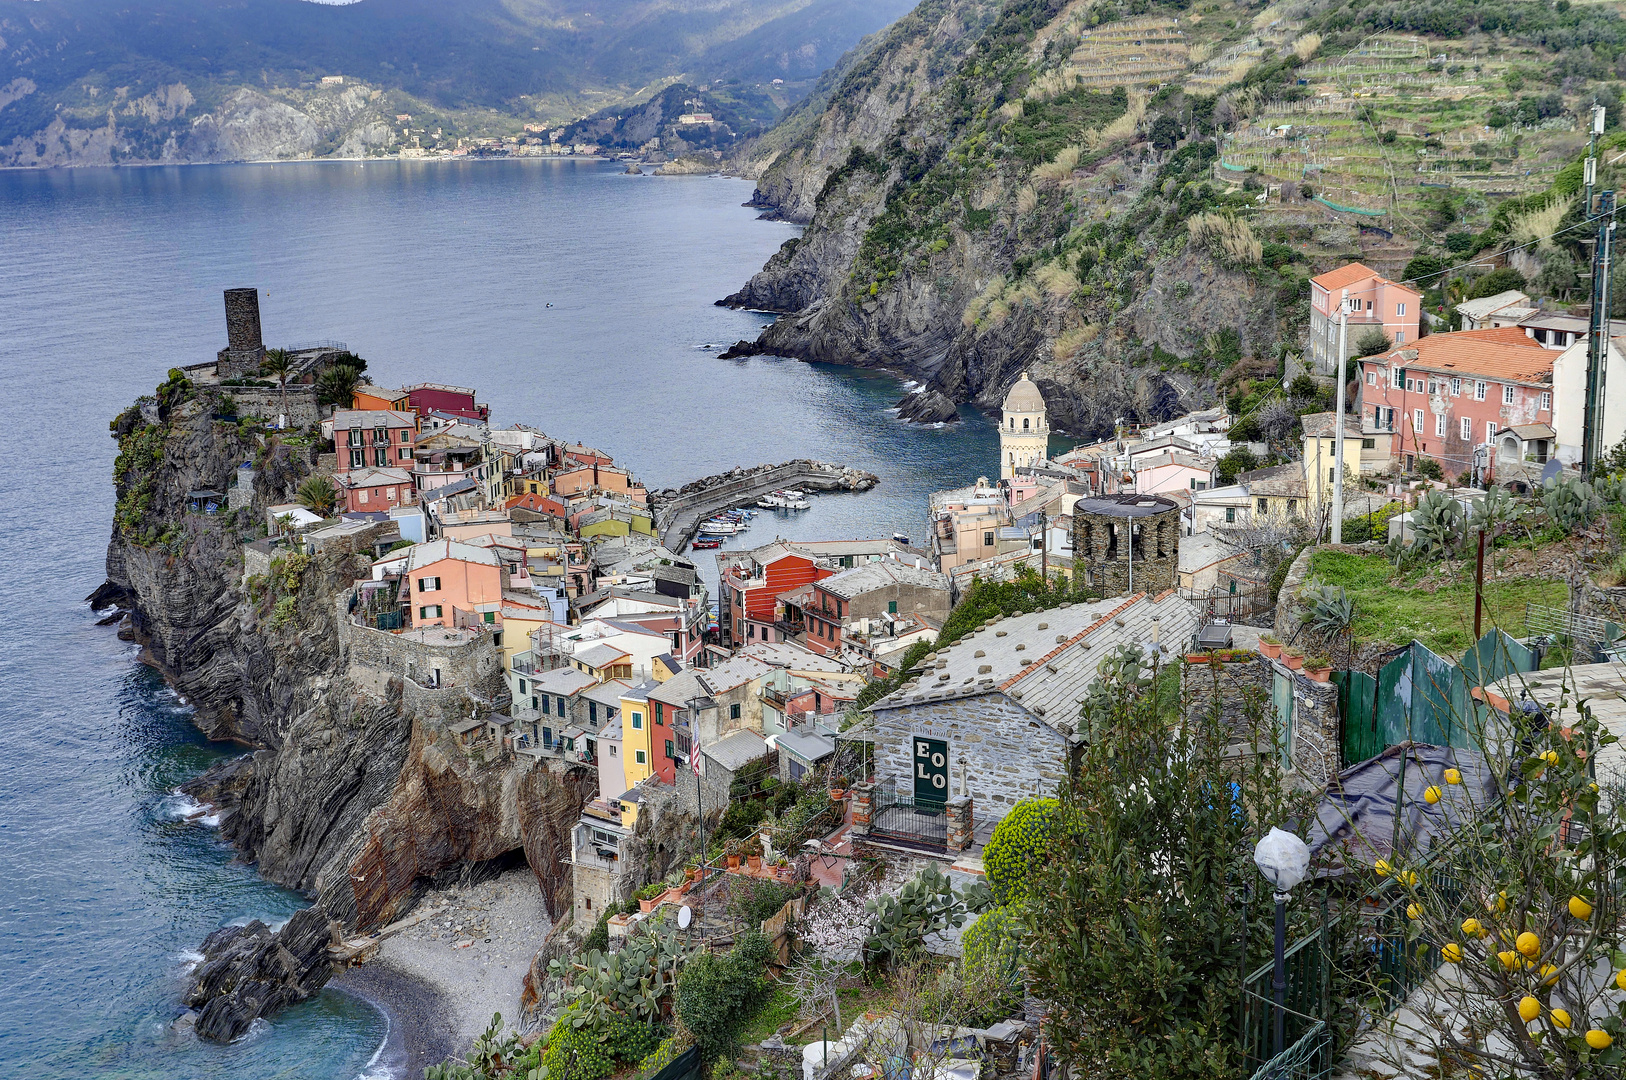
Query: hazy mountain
point(88, 80)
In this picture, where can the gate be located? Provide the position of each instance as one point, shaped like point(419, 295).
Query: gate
point(906, 820)
point(1357, 700)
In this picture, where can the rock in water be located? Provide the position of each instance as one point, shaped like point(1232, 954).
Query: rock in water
point(928, 407)
point(249, 971)
point(738, 349)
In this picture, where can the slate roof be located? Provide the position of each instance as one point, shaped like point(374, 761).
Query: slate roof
point(1322, 425)
point(806, 745)
point(737, 749)
point(1486, 306)
point(1046, 660)
point(601, 656)
point(880, 575)
point(786, 654)
point(440, 550)
point(567, 681)
point(607, 694)
point(1284, 480)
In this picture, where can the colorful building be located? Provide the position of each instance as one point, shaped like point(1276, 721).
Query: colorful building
point(372, 439)
point(449, 580)
point(1448, 395)
point(1375, 301)
point(368, 397)
point(375, 490)
point(438, 397)
point(751, 587)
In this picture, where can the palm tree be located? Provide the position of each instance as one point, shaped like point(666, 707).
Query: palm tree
point(279, 365)
point(318, 495)
point(337, 386)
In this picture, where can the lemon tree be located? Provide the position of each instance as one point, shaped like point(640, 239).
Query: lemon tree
point(1519, 906)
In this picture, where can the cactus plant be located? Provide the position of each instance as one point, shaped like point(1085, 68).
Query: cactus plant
point(633, 982)
point(1438, 524)
point(1571, 503)
point(900, 924)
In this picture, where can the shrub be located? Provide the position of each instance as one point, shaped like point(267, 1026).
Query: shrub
point(1430, 469)
point(717, 993)
point(495, 1055)
point(1497, 281)
point(575, 1053)
point(754, 900)
point(992, 962)
point(1239, 460)
point(599, 937)
point(1371, 341)
point(1018, 844)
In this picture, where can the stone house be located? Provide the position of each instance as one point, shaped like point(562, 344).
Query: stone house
point(873, 593)
point(993, 716)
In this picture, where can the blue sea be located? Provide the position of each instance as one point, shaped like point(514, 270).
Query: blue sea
point(575, 299)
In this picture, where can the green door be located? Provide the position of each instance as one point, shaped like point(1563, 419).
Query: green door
point(931, 771)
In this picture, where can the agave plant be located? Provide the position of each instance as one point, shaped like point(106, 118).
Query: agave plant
point(1331, 612)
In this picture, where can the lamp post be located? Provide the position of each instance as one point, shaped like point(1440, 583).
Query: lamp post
point(1284, 859)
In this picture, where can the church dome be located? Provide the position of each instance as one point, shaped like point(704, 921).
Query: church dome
point(1024, 397)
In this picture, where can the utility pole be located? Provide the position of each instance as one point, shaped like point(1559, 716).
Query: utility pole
point(1044, 547)
point(1479, 583)
point(1602, 211)
point(1338, 428)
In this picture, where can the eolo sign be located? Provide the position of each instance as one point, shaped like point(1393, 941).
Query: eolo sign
point(931, 771)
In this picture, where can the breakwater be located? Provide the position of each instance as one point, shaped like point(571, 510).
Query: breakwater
point(679, 512)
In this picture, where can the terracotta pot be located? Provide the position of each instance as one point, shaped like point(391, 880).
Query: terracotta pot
point(733, 862)
point(754, 862)
point(1270, 650)
point(837, 794)
point(1293, 662)
point(1197, 657)
point(692, 872)
point(1319, 674)
point(646, 906)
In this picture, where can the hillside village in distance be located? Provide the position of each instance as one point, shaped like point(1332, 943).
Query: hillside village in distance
point(914, 693)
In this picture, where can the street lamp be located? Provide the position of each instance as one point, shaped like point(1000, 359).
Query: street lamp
point(1284, 859)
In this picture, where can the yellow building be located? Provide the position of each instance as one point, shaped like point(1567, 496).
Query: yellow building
point(637, 758)
point(617, 521)
point(1321, 455)
point(1024, 432)
point(519, 622)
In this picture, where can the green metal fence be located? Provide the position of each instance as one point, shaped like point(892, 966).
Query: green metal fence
point(1310, 1058)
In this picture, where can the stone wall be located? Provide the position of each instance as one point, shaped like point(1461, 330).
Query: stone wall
point(1006, 754)
point(1102, 545)
point(1316, 751)
point(244, 348)
point(1245, 689)
point(301, 406)
point(466, 660)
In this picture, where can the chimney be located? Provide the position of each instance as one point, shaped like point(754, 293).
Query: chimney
point(244, 349)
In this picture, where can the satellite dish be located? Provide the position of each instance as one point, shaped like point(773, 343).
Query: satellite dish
point(1553, 468)
point(685, 917)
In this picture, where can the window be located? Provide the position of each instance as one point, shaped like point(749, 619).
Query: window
point(1024, 423)
point(1400, 336)
point(1490, 431)
point(381, 457)
point(1467, 430)
point(1439, 426)
point(1230, 515)
point(561, 703)
point(1330, 470)
point(358, 459)
point(734, 711)
point(380, 436)
point(638, 721)
point(1479, 391)
point(363, 496)
point(1263, 506)
point(1546, 401)
point(891, 607)
point(987, 539)
point(669, 754)
point(405, 434)
point(612, 750)
point(488, 617)
point(353, 437)
point(429, 584)
point(639, 756)
point(1371, 378)
point(496, 640)
point(1411, 385)
point(1417, 420)
point(1369, 444)
point(1507, 394)
point(429, 611)
point(522, 688)
point(1400, 309)
point(1456, 387)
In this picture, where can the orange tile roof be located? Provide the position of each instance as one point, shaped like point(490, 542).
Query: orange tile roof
point(1345, 276)
point(1503, 352)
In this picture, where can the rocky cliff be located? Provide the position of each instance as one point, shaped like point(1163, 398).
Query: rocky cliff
point(980, 201)
point(355, 792)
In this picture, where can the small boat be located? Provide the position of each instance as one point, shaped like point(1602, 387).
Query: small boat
point(796, 502)
point(772, 502)
point(708, 542)
point(721, 528)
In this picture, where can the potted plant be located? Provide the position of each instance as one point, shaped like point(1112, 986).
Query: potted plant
point(1269, 646)
point(1318, 668)
point(1293, 658)
point(754, 862)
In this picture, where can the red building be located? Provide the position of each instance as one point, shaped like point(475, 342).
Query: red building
point(751, 583)
point(375, 490)
point(1447, 395)
point(438, 397)
point(372, 439)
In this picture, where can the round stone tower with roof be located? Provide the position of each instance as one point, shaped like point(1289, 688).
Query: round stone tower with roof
point(1024, 433)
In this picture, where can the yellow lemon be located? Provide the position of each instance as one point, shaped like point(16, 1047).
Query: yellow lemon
point(1529, 1008)
point(1561, 1019)
point(1452, 953)
point(1592, 786)
point(1498, 902)
point(1620, 979)
point(1432, 795)
point(1382, 867)
point(1409, 877)
point(1472, 928)
point(1414, 911)
point(1549, 974)
point(1580, 908)
point(1453, 776)
point(1509, 959)
point(1550, 756)
point(1529, 944)
point(1599, 1039)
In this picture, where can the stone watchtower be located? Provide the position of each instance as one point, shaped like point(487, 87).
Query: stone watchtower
point(1024, 433)
point(1110, 530)
point(244, 348)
